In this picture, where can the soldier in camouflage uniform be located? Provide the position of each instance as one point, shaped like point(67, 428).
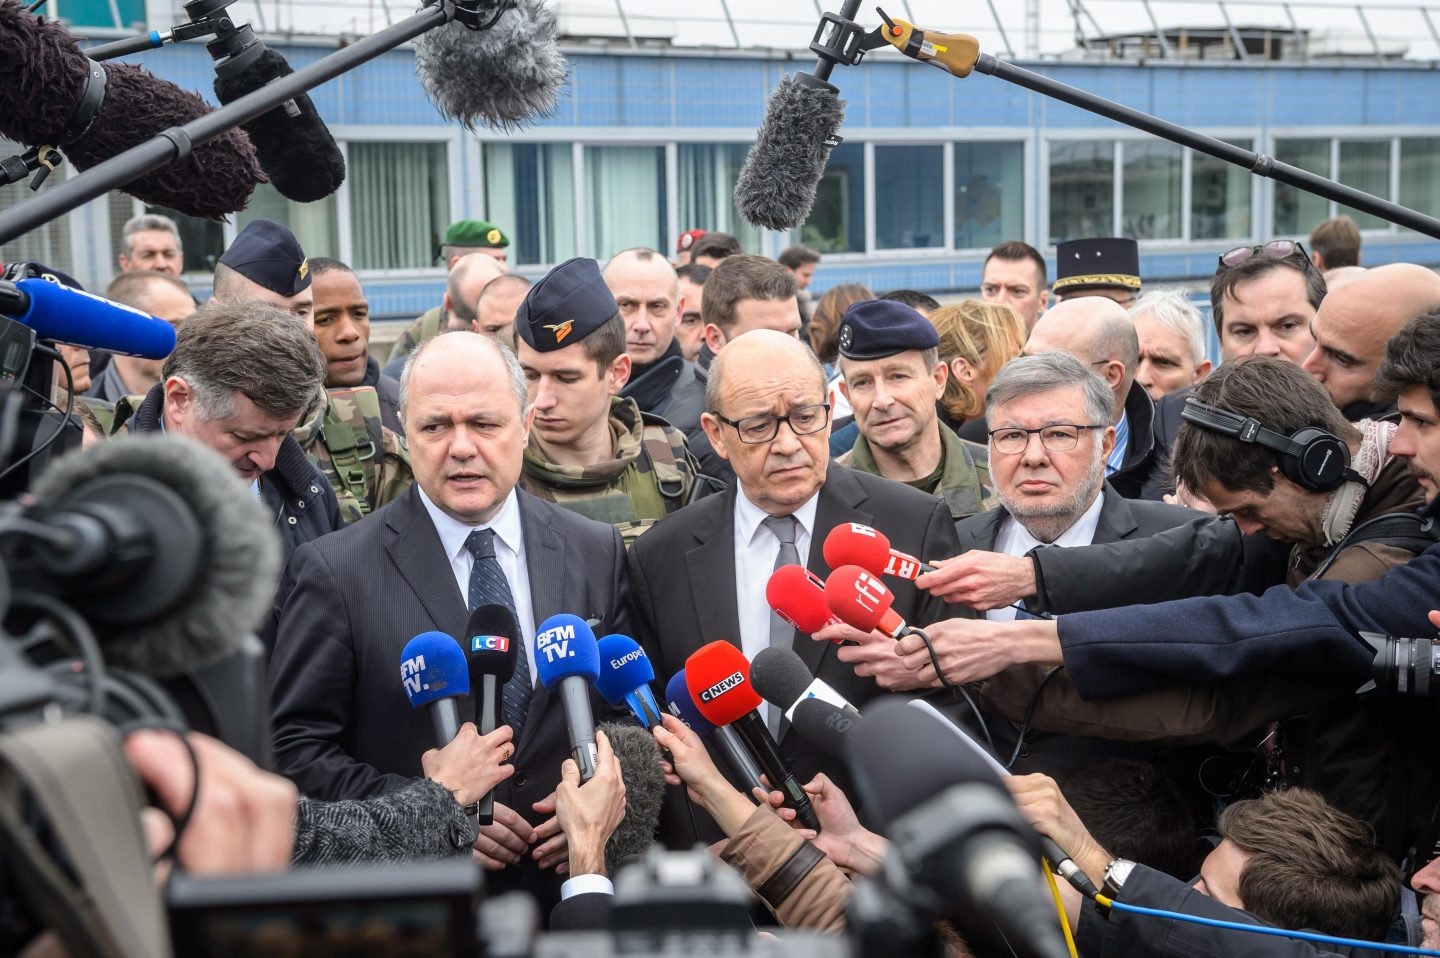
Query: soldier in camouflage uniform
point(893, 377)
point(367, 463)
point(590, 450)
point(470, 255)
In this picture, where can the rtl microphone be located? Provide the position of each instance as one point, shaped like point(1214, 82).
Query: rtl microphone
point(851, 543)
point(625, 677)
point(782, 679)
point(73, 316)
point(798, 596)
point(492, 638)
point(567, 660)
point(718, 676)
point(682, 705)
point(863, 601)
point(824, 726)
point(436, 676)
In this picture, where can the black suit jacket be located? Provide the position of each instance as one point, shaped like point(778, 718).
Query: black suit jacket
point(682, 573)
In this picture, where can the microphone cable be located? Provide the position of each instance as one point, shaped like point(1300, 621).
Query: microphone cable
point(1060, 908)
point(67, 419)
point(953, 688)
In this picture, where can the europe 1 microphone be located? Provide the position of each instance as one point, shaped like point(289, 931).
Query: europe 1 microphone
point(492, 638)
point(625, 677)
point(436, 676)
point(567, 660)
point(682, 705)
point(852, 543)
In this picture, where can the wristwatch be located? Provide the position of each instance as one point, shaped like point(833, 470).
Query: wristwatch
point(1116, 872)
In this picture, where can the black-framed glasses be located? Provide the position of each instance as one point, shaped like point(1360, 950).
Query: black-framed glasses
point(1057, 437)
point(803, 421)
point(1275, 249)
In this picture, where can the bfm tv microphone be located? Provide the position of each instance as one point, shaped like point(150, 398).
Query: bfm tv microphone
point(625, 677)
point(49, 83)
point(567, 660)
point(863, 601)
point(798, 596)
point(435, 674)
point(491, 648)
point(782, 679)
point(682, 705)
point(718, 676)
point(73, 316)
point(851, 543)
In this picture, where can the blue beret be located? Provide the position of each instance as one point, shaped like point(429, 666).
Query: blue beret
point(876, 328)
point(269, 254)
point(568, 304)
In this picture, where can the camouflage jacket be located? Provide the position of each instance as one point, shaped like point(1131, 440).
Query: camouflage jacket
point(651, 475)
point(427, 326)
point(367, 464)
point(965, 482)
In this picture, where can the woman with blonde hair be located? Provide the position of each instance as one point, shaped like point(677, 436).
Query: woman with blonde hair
point(824, 338)
point(976, 339)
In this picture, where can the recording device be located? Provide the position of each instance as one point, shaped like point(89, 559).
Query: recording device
point(1404, 666)
point(492, 638)
point(852, 543)
point(682, 705)
point(64, 315)
point(782, 679)
point(718, 676)
point(625, 677)
point(798, 596)
point(864, 602)
point(567, 660)
point(436, 676)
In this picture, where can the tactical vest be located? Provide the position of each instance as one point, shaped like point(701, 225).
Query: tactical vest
point(351, 446)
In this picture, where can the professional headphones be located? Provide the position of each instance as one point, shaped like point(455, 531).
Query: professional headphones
point(1312, 458)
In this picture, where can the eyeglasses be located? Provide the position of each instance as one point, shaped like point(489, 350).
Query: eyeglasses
point(1060, 437)
point(1275, 249)
point(803, 421)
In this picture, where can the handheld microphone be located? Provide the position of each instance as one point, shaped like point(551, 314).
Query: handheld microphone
point(625, 677)
point(501, 75)
point(783, 680)
point(567, 659)
point(638, 755)
point(863, 601)
point(851, 543)
point(798, 596)
point(682, 705)
point(825, 726)
point(435, 674)
point(73, 316)
point(718, 676)
point(491, 648)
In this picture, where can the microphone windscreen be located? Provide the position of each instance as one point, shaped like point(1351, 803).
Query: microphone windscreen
point(296, 152)
point(500, 77)
point(776, 187)
point(639, 758)
point(624, 667)
point(221, 597)
point(565, 646)
point(492, 638)
point(824, 726)
point(432, 666)
point(858, 597)
point(682, 705)
point(718, 676)
point(851, 543)
point(79, 318)
point(780, 676)
point(798, 596)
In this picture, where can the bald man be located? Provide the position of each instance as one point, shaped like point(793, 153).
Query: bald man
point(1355, 320)
point(469, 275)
point(1098, 332)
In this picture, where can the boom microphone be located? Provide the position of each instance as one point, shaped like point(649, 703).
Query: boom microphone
point(783, 680)
point(492, 638)
point(567, 661)
point(798, 596)
point(501, 75)
point(625, 677)
point(435, 675)
point(74, 316)
point(682, 705)
point(851, 543)
point(50, 84)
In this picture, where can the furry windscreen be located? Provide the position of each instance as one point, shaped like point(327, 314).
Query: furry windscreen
point(776, 187)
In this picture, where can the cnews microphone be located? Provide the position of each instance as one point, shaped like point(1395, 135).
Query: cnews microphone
point(824, 726)
point(492, 639)
point(434, 673)
point(718, 676)
point(782, 679)
point(864, 602)
point(851, 543)
point(625, 677)
point(78, 318)
point(798, 596)
point(682, 705)
point(567, 658)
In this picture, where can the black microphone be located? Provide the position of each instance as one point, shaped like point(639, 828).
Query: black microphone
point(639, 757)
point(492, 638)
point(508, 71)
point(782, 679)
point(824, 726)
point(55, 95)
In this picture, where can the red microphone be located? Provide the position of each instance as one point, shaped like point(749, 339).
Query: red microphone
point(798, 596)
point(863, 601)
point(851, 543)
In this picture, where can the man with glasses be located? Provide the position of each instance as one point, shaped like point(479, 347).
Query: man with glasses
point(700, 575)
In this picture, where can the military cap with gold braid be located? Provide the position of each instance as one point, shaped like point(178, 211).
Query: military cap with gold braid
point(568, 304)
point(1109, 263)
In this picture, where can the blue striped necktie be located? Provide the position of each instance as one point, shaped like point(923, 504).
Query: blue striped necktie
point(489, 586)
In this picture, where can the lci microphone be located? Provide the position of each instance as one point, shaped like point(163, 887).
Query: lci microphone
point(851, 543)
point(625, 677)
point(863, 601)
point(798, 596)
point(436, 676)
point(567, 660)
point(492, 638)
point(682, 705)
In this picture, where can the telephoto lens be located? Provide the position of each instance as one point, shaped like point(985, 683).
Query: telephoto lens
point(1405, 666)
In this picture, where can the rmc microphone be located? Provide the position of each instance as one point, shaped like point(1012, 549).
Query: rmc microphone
point(851, 543)
point(682, 705)
point(798, 596)
point(718, 676)
point(73, 316)
point(492, 638)
point(625, 677)
point(567, 660)
point(435, 675)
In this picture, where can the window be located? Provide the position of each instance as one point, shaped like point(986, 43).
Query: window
point(314, 224)
point(909, 194)
point(1365, 165)
point(989, 194)
point(399, 203)
point(625, 192)
point(1419, 186)
point(1082, 189)
point(1219, 197)
point(706, 186)
point(1151, 190)
point(837, 221)
point(530, 193)
point(1296, 211)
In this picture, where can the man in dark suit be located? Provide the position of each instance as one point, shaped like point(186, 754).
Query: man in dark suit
point(700, 574)
point(463, 536)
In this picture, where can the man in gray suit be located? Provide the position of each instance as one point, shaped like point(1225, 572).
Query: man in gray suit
point(462, 536)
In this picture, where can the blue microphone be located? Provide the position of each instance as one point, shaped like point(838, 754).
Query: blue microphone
point(79, 318)
point(567, 662)
point(682, 705)
point(436, 675)
point(625, 677)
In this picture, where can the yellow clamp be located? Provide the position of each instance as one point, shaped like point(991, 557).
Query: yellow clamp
point(955, 53)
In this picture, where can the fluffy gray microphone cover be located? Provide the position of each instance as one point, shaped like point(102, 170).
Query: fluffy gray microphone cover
point(240, 563)
point(776, 188)
point(500, 77)
point(639, 757)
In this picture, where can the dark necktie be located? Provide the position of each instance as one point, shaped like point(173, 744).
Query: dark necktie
point(782, 633)
point(488, 585)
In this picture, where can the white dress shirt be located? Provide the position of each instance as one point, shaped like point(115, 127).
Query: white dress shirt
point(1015, 540)
point(756, 549)
point(509, 552)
